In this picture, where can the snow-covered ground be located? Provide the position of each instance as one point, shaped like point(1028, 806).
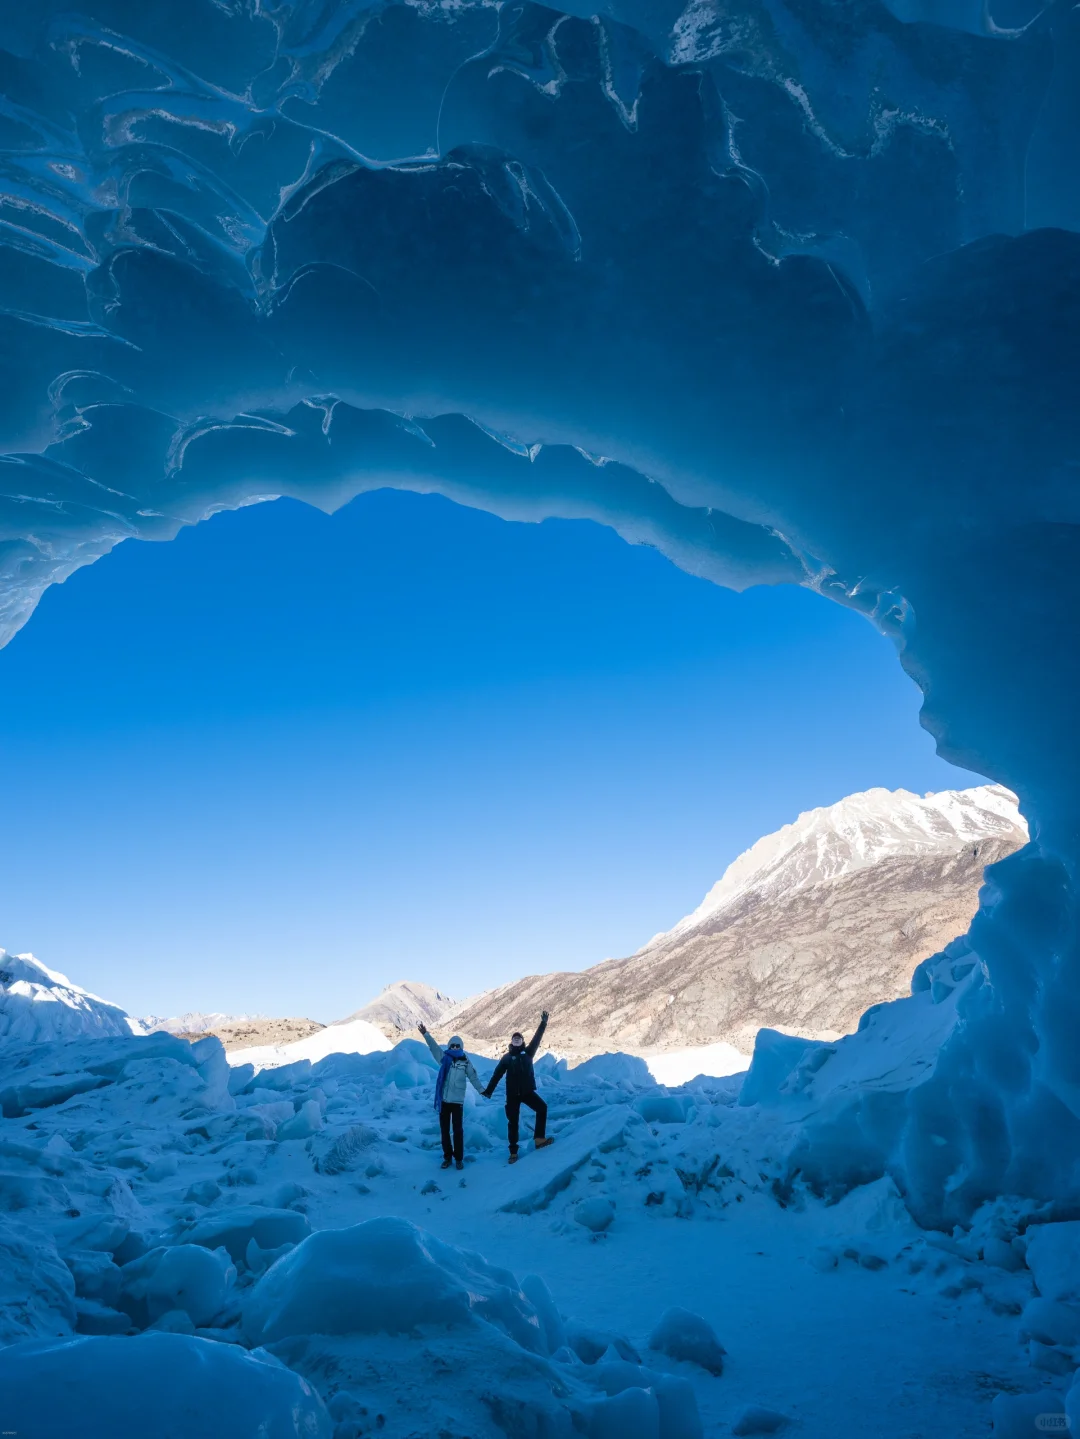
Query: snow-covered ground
point(356, 1036)
point(219, 1223)
point(350, 1036)
point(679, 1066)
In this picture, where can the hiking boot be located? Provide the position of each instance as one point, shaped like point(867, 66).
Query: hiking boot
point(446, 1164)
point(460, 1163)
point(543, 1143)
point(514, 1157)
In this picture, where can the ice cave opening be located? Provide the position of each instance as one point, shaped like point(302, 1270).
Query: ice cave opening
point(412, 738)
point(789, 290)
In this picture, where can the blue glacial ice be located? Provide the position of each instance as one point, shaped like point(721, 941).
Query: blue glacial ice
point(789, 290)
point(329, 1286)
point(170, 1385)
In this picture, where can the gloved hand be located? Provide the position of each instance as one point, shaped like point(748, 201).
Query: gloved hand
point(544, 1014)
point(422, 1027)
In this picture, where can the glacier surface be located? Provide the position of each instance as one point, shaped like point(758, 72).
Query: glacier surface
point(39, 1003)
point(788, 289)
point(180, 1260)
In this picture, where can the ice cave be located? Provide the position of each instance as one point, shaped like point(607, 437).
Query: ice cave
point(787, 289)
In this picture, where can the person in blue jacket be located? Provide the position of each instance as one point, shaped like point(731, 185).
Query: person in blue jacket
point(517, 1065)
point(455, 1071)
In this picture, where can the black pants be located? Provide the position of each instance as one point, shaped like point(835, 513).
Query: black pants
point(513, 1114)
point(447, 1113)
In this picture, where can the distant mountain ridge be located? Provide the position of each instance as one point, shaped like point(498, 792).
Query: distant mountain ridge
point(392, 1014)
point(402, 1006)
point(804, 931)
point(194, 1021)
point(857, 832)
point(236, 1031)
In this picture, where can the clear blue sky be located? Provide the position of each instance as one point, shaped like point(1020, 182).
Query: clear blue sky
point(289, 758)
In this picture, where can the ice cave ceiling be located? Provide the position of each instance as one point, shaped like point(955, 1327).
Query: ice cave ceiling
point(800, 274)
point(788, 288)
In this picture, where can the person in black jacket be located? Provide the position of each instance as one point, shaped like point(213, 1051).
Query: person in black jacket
point(517, 1065)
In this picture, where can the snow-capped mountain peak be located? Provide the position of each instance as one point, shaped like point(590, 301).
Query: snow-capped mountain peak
point(858, 831)
point(401, 1006)
point(194, 1021)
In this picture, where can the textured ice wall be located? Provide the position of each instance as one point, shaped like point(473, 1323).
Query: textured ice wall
point(788, 289)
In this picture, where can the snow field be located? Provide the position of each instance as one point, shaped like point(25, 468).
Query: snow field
point(658, 1273)
point(354, 1036)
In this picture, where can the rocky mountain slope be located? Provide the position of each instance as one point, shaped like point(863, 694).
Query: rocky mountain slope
point(236, 1031)
point(401, 1006)
point(804, 932)
point(394, 1013)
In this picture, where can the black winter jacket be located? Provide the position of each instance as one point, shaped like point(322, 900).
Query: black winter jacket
point(517, 1065)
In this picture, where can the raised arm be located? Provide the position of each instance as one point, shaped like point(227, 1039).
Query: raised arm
point(534, 1043)
point(493, 1082)
point(433, 1045)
